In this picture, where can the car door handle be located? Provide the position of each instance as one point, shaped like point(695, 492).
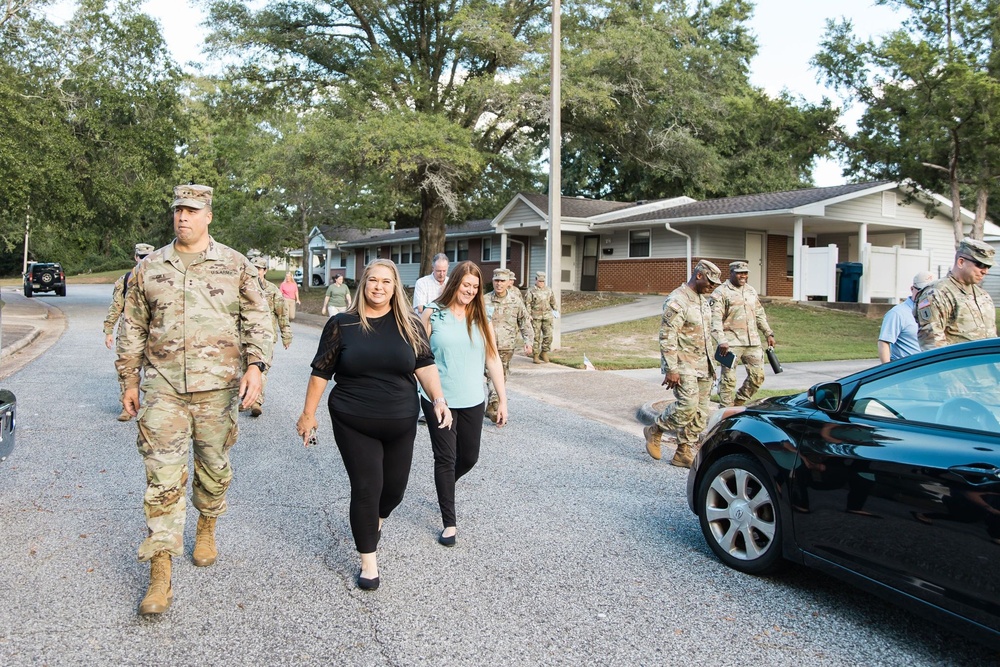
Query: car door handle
point(977, 474)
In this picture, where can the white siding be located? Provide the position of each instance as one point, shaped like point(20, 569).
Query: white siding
point(723, 242)
point(537, 259)
point(521, 215)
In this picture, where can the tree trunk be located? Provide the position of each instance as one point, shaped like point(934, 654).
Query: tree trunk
point(956, 195)
point(306, 264)
point(982, 199)
point(432, 215)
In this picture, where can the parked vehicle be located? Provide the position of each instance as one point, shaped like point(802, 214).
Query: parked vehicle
point(317, 277)
point(888, 479)
point(44, 277)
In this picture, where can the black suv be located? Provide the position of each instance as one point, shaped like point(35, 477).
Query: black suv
point(44, 277)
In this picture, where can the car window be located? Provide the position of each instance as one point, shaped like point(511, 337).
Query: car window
point(961, 392)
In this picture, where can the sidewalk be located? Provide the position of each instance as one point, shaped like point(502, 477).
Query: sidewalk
point(22, 320)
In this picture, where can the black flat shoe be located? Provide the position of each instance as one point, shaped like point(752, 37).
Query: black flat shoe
point(446, 541)
point(367, 584)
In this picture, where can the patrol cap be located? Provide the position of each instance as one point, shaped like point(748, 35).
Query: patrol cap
point(503, 274)
point(923, 279)
point(710, 271)
point(192, 196)
point(739, 267)
point(978, 251)
point(539, 275)
point(143, 249)
point(259, 261)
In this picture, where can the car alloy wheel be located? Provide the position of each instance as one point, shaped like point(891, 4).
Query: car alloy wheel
point(739, 515)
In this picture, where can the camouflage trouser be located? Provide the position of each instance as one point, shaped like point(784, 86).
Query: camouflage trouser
point(543, 333)
point(168, 424)
point(505, 357)
point(753, 358)
point(687, 417)
point(263, 384)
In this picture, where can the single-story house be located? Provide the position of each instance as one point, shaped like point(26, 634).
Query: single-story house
point(794, 241)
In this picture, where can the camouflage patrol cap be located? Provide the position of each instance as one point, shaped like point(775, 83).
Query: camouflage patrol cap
point(143, 249)
point(259, 261)
point(710, 271)
point(739, 267)
point(192, 196)
point(503, 274)
point(539, 275)
point(978, 251)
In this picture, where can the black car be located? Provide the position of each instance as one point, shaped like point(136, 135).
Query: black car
point(44, 277)
point(888, 479)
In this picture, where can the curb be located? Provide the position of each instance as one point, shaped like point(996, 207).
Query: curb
point(20, 343)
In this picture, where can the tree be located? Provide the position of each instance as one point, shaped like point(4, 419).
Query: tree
point(440, 87)
point(658, 104)
point(932, 97)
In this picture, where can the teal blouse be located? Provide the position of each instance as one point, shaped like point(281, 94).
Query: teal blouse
point(459, 358)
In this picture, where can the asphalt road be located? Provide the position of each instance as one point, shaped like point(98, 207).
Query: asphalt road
point(574, 549)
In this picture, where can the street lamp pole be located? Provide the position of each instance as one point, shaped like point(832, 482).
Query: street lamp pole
point(553, 254)
point(27, 229)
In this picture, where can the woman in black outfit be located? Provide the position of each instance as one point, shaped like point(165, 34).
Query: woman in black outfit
point(374, 350)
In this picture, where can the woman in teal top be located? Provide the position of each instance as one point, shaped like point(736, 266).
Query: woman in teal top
point(462, 342)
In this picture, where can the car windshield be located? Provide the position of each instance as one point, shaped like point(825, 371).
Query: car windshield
point(962, 392)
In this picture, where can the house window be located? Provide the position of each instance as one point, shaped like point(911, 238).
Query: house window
point(343, 260)
point(638, 243)
point(449, 249)
point(404, 253)
point(415, 254)
point(463, 250)
point(368, 256)
point(457, 251)
point(487, 249)
point(394, 254)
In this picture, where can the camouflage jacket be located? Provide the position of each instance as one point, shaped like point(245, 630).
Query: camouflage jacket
point(737, 316)
point(686, 343)
point(276, 302)
point(541, 302)
point(509, 316)
point(948, 312)
point(117, 305)
point(191, 327)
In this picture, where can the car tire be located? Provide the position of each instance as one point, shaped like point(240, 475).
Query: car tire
point(61, 290)
point(317, 281)
point(739, 515)
point(27, 290)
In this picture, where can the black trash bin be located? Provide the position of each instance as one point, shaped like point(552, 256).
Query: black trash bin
point(849, 281)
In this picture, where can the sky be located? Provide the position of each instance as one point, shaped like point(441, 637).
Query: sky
point(788, 36)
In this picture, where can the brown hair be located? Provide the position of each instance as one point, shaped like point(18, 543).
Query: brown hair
point(475, 312)
point(409, 326)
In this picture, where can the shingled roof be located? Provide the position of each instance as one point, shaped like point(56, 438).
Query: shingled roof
point(411, 234)
point(749, 204)
point(577, 207)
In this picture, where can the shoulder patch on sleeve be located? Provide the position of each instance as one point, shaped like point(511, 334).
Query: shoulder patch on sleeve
point(924, 303)
point(676, 307)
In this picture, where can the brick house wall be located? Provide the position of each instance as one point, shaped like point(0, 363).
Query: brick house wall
point(650, 276)
point(779, 283)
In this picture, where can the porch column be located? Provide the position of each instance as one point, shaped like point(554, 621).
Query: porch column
point(503, 250)
point(864, 293)
point(797, 278)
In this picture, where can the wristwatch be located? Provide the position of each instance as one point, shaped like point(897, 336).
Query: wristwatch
point(261, 366)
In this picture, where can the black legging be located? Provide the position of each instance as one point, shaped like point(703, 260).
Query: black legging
point(456, 451)
point(377, 454)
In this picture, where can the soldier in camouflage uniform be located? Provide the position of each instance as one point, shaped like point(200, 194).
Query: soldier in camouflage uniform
point(115, 312)
point(956, 309)
point(541, 303)
point(196, 337)
point(737, 320)
point(686, 349)
point(509, 317)
point(276, 303)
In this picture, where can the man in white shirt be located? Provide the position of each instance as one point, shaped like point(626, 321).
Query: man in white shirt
point(429, 288)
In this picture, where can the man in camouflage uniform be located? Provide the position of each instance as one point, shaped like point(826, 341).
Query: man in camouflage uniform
point(686, 349)
point(956, 309)
point(276, 303)
point(737, 320)
point(541, 303)
point(196, 337)
point(509, 317)
point(115, 312)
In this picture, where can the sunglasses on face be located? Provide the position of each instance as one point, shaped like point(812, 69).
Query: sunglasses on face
point(979, 265)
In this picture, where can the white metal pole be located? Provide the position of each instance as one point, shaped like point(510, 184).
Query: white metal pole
point(27, 229)
point(554, 237)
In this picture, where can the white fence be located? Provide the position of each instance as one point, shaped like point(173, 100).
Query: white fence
point(819, 272)
point(886, 273)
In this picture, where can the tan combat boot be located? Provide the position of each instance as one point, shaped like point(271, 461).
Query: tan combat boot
point(205, 552)
point(124, 416)
point(160, 593)
point(545, 357)
point(492, 410)
point(256, 410)
point(684, 456)
point(536, 358)
point(653, 436)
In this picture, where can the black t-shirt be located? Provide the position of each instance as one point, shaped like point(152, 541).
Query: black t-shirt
point(373, 370)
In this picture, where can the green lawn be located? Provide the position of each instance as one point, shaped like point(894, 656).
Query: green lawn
point(803, 333)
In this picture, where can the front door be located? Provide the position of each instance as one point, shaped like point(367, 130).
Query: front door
point(755, 257)
point(588, 278)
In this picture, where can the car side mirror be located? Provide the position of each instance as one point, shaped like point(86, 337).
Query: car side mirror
point(826, 397)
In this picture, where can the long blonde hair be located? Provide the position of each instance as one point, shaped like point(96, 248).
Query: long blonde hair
point(475, 312)
point(409, 326)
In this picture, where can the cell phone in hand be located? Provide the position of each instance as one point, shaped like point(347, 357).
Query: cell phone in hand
point(313, 440)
